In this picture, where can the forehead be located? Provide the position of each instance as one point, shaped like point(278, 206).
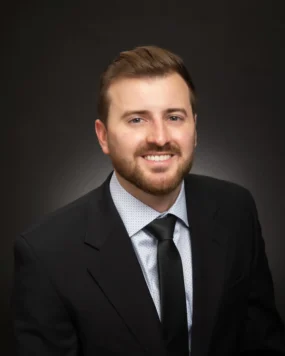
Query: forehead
point(152, 93)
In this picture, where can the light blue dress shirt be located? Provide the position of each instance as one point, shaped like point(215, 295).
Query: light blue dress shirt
point(135, 216)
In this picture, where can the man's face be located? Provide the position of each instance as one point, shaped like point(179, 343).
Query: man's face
point(151, 132)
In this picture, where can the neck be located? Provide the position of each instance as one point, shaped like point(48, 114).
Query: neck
point(159, 203)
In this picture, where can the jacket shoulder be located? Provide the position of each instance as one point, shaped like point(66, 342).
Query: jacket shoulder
point(62, 224)
point(210, 188)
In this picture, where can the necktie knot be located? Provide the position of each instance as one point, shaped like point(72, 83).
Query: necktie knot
point(162, 228)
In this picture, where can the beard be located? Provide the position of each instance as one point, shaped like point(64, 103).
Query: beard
point(135, 174)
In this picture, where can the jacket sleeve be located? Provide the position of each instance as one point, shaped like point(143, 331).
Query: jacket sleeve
point(264, 332)
point(42, 326)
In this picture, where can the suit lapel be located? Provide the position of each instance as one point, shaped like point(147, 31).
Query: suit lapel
point(208, 243)
point(114, 267)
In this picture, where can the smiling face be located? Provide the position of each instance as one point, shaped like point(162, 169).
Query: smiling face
point(151, 133)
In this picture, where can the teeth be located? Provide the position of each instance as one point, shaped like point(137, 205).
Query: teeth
point(157, 158)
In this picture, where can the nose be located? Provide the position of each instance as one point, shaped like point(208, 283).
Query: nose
point(158, 133)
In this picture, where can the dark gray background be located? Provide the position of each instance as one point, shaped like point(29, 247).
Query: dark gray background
point(235, 53)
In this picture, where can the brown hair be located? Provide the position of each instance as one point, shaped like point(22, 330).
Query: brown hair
point(146, 61)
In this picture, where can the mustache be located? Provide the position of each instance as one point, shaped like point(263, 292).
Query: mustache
point(152, 147)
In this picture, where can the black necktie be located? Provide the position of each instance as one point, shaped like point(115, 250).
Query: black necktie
point(171, 286)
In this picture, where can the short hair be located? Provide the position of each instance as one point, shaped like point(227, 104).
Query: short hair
point(140, 62)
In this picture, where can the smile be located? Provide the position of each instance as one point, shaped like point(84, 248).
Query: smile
point(157, 158)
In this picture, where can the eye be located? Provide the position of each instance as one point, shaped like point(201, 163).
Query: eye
point(135, 120)
point(175, 118)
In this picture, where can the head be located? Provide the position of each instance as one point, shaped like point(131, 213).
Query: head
point(147, 119)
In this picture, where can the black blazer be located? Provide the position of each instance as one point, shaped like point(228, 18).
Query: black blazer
point(79, 289)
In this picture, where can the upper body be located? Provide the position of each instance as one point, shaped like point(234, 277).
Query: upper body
point(80, 289)
point(82, 286)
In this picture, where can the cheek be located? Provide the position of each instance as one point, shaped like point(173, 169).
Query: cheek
point(185, 140)
point(124, 142)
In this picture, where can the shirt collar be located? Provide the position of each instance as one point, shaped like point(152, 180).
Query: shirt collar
point(135, 214)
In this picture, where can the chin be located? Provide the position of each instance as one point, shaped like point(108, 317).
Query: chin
point(158, 187)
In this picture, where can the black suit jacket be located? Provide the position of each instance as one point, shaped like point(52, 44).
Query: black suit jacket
point(79, 289)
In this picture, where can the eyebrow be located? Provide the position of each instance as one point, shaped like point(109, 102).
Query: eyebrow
point(146, 112)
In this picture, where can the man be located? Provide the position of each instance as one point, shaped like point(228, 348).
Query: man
point(106, 275)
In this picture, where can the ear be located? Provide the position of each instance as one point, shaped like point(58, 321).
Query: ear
point(102, 136)
point(195, 139)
